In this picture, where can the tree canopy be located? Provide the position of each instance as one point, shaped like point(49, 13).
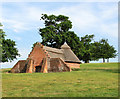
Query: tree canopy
point(96, 50)
point(87, 48)
point(56, 27)
point(8, 50)
point(105, 50)
point(57, 31)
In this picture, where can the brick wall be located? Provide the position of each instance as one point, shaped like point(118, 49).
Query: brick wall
point(57, 65)
point(29, 68)
point(37, 54)
point(44, 66)
point(18, 67)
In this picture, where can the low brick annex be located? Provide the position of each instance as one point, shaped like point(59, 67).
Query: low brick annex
point(46, 59)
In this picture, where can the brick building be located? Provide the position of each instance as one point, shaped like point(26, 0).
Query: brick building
point(46, 59)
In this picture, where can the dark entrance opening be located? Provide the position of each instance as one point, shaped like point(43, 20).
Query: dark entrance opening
point(37, 68)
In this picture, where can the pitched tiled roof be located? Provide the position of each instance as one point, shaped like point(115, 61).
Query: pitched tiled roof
point(65, 46)
point(68, 53)
point(70, 56)
point(53, 49)
point(65, 53)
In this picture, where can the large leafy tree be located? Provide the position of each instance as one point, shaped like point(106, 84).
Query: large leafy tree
point(88, 48)
point(57, 31)
point(111, 53)
point(7, 46)
point(2, 36)
point(106, 51)
point(96, 50)
point(103, 50)
point(56, 27)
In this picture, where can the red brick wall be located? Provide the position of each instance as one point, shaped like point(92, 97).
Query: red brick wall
point(44, 66)
point(18, 67)
point(57, 65)
point(37, 55)
point(30, 66)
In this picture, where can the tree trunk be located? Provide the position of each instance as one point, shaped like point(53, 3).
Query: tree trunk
point(86, 61)
point(103, 60)
point(108, 60)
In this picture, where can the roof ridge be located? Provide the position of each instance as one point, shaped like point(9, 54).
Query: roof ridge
point(65, 45)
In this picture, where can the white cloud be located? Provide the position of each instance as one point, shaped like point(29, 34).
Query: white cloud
point(8, 64)
point(84, 17)
point(110, 29)
point(108, 12)
point(15, 25)
point(24, 53)
point(60, 0)
point(17, 38)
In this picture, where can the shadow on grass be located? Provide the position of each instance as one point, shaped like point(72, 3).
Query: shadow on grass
point(108, 70)
point(104, 70)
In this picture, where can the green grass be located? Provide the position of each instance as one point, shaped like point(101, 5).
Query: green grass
point(91, 80)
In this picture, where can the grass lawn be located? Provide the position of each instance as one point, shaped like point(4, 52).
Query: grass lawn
point(91, 80)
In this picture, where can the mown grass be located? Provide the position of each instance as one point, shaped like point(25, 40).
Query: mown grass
point(91, 80)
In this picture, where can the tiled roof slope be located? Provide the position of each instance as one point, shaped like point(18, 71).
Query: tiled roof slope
point(68, 53)
point(65, 53)
point(53, 49)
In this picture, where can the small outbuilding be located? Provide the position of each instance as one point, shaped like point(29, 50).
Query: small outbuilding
point(46, 59)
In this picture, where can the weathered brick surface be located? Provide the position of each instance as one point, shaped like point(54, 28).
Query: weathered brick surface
point(44, 66)
point(30, 66)
point(37, 55)
point(18, 67)
point(57, 65)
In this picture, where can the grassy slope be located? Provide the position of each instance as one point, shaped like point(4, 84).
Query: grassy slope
point(92, 80)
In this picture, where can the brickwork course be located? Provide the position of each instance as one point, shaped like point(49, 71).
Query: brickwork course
point(46, 59)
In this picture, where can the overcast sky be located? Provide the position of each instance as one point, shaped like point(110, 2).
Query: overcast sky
point(21, 22)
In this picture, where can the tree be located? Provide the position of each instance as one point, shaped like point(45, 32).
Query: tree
point(2, 35)
point(87, 52)
point(111, 53)
point(56, 27)
point(56, 32)
point(102, 49)
point(106, 51)
point(8, 50)
point(96, 50)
